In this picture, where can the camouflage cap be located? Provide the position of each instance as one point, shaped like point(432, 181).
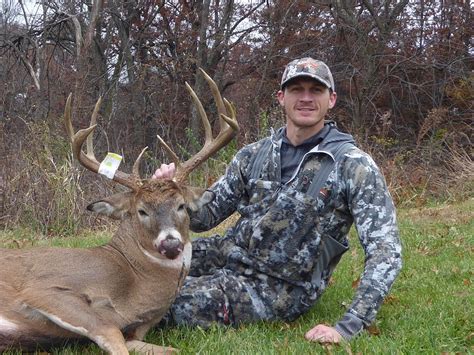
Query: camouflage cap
point(309, 67)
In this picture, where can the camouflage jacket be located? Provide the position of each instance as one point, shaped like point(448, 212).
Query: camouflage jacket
point(296, 233)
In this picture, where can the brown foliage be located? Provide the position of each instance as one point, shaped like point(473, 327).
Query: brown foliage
point(402, 71)
point(433, 119)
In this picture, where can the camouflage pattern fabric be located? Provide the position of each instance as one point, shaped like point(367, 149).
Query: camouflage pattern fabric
point(308, 67)
point(266, 266)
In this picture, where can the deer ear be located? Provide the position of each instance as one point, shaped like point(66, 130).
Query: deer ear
point(115, 206)
point(200, 198)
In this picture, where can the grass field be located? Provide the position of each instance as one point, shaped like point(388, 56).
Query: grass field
point(429, 311)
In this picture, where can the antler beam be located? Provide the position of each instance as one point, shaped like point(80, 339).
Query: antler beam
point(228, 129)
point(88, 159)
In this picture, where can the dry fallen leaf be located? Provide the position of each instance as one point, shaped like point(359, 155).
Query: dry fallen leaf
point(348, 349)
point(391, 299)
point(356, 283)
point(373, 330)
point(328, 348)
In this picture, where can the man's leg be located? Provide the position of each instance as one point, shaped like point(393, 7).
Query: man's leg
point(219, 298)
point(209, 254)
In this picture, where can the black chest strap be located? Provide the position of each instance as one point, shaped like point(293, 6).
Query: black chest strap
point(327, 165)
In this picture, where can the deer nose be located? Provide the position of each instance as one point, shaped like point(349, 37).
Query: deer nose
point(170, 247)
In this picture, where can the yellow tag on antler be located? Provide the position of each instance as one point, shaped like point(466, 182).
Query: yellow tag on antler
point(110, 164)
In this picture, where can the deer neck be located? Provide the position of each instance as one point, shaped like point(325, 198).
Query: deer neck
point(127, 246)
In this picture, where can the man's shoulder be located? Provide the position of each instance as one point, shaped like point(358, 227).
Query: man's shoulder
point(252, 156)
point(356, 155)
point(254, 148)
point(246, 155)
point(359, 168)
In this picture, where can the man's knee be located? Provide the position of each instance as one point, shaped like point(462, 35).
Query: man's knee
point(207, 256)
point(219, 298)
point(201, 303)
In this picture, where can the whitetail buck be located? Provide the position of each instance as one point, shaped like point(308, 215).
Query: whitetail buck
point(111, 294)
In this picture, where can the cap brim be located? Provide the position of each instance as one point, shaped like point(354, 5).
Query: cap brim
point(306, 75)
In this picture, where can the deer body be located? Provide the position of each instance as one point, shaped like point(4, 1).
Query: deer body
point(137, 296)
point(53, 294)
point(112, 294)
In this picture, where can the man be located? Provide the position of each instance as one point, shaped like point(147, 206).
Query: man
point(298, 193)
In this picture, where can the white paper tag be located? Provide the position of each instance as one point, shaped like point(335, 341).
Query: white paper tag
point(110, 164)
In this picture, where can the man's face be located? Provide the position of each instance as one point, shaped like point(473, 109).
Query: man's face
point(306, 103)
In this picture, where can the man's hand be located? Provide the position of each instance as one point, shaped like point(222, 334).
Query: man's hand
point(323, 334)
point(166, 171)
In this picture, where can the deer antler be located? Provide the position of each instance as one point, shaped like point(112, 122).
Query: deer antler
point(88, 159)
point(228, 129)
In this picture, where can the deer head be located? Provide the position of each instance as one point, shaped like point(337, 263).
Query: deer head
point(158, 212)
point(158, 207)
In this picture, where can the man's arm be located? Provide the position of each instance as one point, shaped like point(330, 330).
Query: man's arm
point(229, 191)
point(375, 220)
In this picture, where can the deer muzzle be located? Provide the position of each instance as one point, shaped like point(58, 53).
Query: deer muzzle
point(170, 247)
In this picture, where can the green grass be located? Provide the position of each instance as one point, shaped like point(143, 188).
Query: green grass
point(429, 311)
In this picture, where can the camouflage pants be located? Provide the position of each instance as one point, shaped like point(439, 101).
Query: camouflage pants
point(215, 292)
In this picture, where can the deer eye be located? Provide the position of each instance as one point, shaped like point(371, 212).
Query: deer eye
point(142, 213)
point(181, 207)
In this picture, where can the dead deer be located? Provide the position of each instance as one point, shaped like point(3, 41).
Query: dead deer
point(111, 294)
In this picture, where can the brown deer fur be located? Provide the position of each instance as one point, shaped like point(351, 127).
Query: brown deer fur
point(48, 295)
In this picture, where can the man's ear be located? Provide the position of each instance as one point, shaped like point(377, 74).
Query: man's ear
point(280, 96)
point(116, 206)
point(332, 99)
point(197, 198)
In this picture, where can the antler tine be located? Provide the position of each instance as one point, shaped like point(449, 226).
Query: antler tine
point(232, 120)
point(77, 139)
point(170, 152)
point(89, 142)
point(202, 113)
point(221, 108)
point(136, 165)
point(88, 160)
point(228, 128)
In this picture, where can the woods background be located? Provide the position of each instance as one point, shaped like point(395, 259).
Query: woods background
point(403, 72)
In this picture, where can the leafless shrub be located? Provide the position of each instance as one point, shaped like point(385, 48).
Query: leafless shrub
point(460, 172)
point(432, 120)
point(40, 186)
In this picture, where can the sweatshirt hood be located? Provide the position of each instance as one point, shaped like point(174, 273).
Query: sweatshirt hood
point(330, 143)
